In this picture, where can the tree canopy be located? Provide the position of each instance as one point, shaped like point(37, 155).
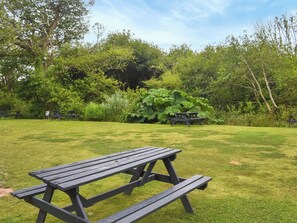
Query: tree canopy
point(44, 65)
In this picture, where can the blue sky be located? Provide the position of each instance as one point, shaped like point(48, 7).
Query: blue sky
point(193, 22)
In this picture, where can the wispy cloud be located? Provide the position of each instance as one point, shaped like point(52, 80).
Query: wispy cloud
point(199, 9)
point(194, 22)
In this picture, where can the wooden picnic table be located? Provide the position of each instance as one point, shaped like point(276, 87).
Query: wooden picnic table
point(137, 162)
point(186, 117)
point(5, 114)
point(55, 114)
point(292, 120)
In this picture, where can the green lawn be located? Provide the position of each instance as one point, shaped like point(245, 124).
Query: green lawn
point(260, 185)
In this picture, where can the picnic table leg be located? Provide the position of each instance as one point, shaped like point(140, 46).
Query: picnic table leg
point(175, 180)
point(135, 177)
point(188, 123)
point(147, 173)
point(77, 203)
point(48, 195)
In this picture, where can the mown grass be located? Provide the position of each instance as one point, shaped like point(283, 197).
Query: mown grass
point(263, 188)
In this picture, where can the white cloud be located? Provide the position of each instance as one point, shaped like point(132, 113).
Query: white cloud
point(199, 9)
point(194, 22)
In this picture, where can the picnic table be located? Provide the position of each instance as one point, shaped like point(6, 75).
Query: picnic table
point(291, 120)
point(138, 163)
point(186, 117)
point(5, 114)
point(55, 114)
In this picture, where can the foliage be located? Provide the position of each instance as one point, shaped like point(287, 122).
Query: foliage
point(116, 107)
point(45, 94)
point(146, 59)
point(11, 102)
point(6, 101)
point(94, 112)
point(156, 105)
point(40, 27)
point(83, 69)
point(249, 114)
point(43, 67)
point(168, 80)
point(175, 54)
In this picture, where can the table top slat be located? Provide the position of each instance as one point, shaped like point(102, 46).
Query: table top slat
point(50, 175)
point(84, 169)
point(62, 167)
point(90, 177)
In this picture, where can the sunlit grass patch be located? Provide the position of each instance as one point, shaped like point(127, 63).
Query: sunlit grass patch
point(259, 138)
point(253, 169)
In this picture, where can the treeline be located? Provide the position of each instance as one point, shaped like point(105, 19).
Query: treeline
point(43, 66)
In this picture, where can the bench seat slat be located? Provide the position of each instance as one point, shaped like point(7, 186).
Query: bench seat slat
point(31, 191)
point(96, 176)
point(97, 166)
point(158, 201)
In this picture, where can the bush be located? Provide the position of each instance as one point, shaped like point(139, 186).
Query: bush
point(156, 105)
point(10, 102)
point(94, 112)
point(116, 106)
point(244, 116)
point(65, 100)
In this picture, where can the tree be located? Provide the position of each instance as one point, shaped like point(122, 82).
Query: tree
point(83, 68)
point(197, 71)
point(177, 53)
point(264, 64)
point(146, 62)
point(38, 28)
point(281, 32)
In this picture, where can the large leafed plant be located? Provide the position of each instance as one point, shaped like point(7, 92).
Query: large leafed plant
point(157, 105)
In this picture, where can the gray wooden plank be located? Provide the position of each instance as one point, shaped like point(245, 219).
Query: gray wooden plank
point(149, 201)
point(47, 197)
point(154, 203)
point(96, 167)
point(55, 211)
point(94, 162)
point(37, 172)
point(100, 167)
point(163, 202)
point(93, 177)
point(31, 191)
point(110, 166)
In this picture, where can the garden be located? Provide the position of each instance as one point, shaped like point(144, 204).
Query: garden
point(63, 100)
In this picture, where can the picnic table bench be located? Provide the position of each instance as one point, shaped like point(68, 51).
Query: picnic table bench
point(137, 162)
point(186, 117)
point(72, 114)
point(5, 114)
point(291, 120)
point(55, 114)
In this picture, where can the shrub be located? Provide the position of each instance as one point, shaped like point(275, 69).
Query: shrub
point(116, 106)
point(94, 112)
point(10, 101)
point(247, 115)
point(156, 105)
